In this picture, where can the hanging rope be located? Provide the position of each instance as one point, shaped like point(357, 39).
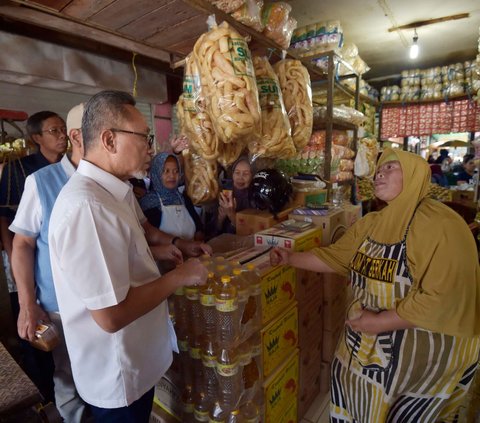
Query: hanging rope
point(134, 90)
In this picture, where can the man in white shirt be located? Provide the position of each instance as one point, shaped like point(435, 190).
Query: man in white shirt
point(110, 294)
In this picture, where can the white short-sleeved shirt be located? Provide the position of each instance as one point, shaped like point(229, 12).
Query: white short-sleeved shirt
point(98, 251)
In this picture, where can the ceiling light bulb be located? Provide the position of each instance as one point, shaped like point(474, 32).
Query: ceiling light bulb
point(414, 51)
point(414, 47)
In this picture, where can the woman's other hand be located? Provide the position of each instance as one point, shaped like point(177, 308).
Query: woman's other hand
point(167, 252)
point(227, 205)
point(279, 256)
point(179, 143)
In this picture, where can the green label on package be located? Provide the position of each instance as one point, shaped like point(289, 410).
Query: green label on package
point(268, 93)
point(241, 58)
point(191, 89)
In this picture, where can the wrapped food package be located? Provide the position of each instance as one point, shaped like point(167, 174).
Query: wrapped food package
point(200, 178)
point(227, 75)
point(279, 26)
point(194, 119)
point(228, 153)
point(297, 96)
point(228, 6)
point(276, 140)
point(250, 14)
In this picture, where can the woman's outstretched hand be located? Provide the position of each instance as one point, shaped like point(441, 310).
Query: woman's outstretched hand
point(279, 256)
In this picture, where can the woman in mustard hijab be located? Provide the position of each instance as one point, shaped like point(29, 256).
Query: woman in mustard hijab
point(411, 342)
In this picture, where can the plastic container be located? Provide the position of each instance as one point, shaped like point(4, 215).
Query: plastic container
point(226, 305)
point(207, 302)
point(229, 378)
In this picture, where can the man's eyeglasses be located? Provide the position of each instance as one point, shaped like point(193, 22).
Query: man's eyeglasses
point(149, 138)
point(56, 131)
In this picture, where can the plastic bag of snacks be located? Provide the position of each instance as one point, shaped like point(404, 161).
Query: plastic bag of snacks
point(194, 118)
point(228, 153)
point(276, 141)
point(279, 26)
point(227, 6)
point(250, 14)
point(226, 71)
point(200, 178)
point(297, 96)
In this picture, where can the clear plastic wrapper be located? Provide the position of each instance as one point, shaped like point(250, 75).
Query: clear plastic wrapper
point(227, 74)
point(344, 113)
point(279, 26)
point(228, 153)
point(194, 119)
point(297, 95)
point(228, 6)
point(250, 14)
point(200, 177)
point(276, 140)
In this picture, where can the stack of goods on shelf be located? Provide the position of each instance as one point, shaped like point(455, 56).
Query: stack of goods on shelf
point(367, 153)
point(390, 93)
point(278, 24)
point(12, 149)
point(342, 113)
point(317, 38)
point(435, 83)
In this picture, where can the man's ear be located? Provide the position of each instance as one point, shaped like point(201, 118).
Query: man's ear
point(36, 138)
point(108, 141)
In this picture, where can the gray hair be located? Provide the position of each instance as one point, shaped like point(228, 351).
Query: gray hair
point(104, 110)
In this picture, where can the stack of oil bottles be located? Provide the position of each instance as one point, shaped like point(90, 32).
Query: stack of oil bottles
point(218, 331)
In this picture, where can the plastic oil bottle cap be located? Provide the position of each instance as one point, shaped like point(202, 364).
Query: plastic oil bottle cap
point(225, 279)
point(237, 271)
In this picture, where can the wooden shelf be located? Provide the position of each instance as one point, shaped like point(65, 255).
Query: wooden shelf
point(337, 124)
point(440, 100)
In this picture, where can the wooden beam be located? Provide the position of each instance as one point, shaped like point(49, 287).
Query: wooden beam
point(419, 24)
point(70, 26)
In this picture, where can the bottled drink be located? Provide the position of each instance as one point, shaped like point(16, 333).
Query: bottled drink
point(197, 365)
point(229, 378)
point(194, 310)
point(220, 270)
point(180, 312)
point(243, 292)
point(209, 360)
point(187, 405)
point(201, 407)
point(255, 299)
point(250, 412)
point(235, 417)
point(226, 305)
point(207, 302)
point(186, 365)
point(217, 415)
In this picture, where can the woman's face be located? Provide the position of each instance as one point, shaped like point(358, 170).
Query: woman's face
point(170, 174)
point(470, 167)
point(242, 175)
point(389, 181)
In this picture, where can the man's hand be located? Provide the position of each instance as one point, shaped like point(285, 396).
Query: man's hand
point(279, 256)
point(193, 248)
point(192, 272)
point(28, 319)
point(167, 252)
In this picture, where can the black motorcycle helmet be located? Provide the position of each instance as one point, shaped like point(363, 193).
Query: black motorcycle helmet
point(271, 189)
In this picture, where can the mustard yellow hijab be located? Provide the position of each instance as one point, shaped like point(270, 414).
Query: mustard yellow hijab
point(441, 253)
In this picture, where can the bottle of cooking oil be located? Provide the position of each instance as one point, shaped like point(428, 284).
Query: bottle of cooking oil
point(207, 302)
point(209, 360)
point(186, 364)
point(250, 412)
point(235, 417)
point(201, 407)
point(195, 352)
point(255, 300)
point(194, 309)
point(226, 305)
point(217, 414)
point(180, 312)
point(229, 378)
point(243, 292)
point(187, 405)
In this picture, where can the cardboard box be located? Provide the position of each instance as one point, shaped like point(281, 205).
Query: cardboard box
point(279, 340)
point(302, 198)
point(463, 197)
point(330, 341)
point(250, 221)
point(158, 415)
point(295, 241)
point(332, 224)
point(278, 287)
point(168, 397)
point(308, 284)
point(281, 390)
point(324, 376)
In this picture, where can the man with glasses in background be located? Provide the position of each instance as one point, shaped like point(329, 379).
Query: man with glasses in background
point(110, 294)
point(48, 131)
